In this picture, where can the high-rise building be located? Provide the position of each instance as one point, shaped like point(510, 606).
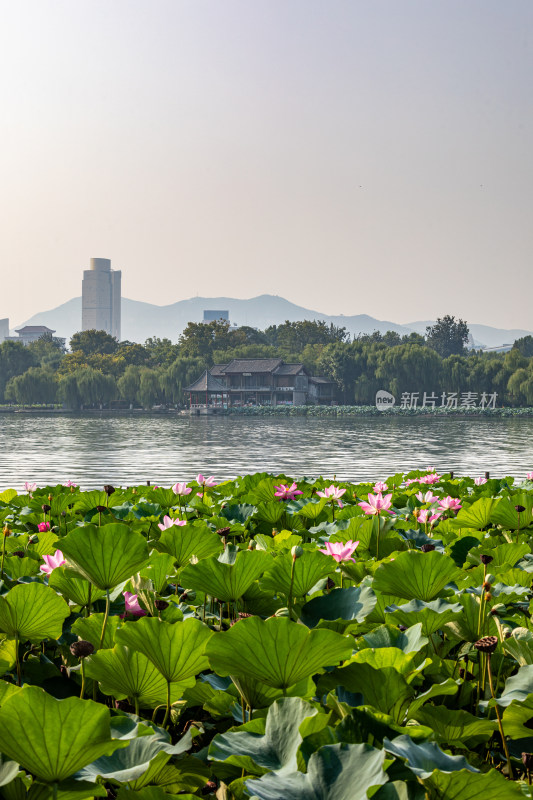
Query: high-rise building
point(4, 329)
point(100, 298)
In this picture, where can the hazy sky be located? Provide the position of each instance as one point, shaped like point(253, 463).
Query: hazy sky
point(355, 157)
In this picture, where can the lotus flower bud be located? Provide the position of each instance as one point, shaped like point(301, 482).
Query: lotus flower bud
point(81, 649)
point(282, 612)
point(487, 644)
point(6, 531)
point(486, 559)
point(108, 489)
point(33, 539)
point(297, 552)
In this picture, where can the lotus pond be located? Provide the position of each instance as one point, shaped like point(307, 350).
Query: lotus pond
point(262, 638)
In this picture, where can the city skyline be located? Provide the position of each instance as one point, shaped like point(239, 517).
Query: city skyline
point(355, 158)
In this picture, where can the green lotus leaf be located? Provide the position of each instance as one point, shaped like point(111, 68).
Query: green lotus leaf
point(273, 751)
point(334, 772)
point(383, 688)
point(90, 629)
point(416, 575)
point(105, 555)
point(465, 785)
point(277, 651)
point(8, 649)
point(7, 690)
point(66, 790)
point(504, 556)
point(131, 763)
point(447, 687)
point(466, 626)
point(353, 603)
point(159, 567)
point(226, 581)
point(312, 509)
point(432, 616)
point(186, 541)
point(477, 516)
point(126, 673)
point(311, 567)
point(32, 611)
point(409, 641)
point(517, 687)
point(422, 758)
point(8, 770)
point(382, 657)
point(52, 738)
point(456, 728)
point(21, 567)
point(517, 718)
point(185, 774)
point(259, 695)
point(401, 790)
point(505, 513)
point(73, 587)
point(176, 649)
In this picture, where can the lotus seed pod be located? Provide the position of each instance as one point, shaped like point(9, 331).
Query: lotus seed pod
point(81, 649)
point(46, 508)
point(519, 509)
point(18, 553)
point(486, 559)
point(487, 644)
point(161, 605)
point(427, 548)
point(297, 552)
point(101, 509)
point(108, 489)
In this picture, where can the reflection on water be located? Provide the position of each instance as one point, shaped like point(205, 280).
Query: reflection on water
point(163, 449)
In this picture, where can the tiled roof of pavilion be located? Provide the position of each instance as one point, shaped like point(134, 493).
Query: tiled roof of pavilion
point(289, 369)
point(206, 383)
point(239, 365)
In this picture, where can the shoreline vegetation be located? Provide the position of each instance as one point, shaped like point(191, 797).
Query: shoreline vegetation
point(279, 411)
point(268, 638)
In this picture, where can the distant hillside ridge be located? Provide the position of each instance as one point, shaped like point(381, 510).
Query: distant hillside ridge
point(143, 320)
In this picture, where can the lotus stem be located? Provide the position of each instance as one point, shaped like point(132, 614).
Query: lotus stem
point(106, 615)
point(136, 701)
point(82, 692)
point(500, 724)
point(167, 711)
point(88, 606)
point(3, 556)
point(17, 660)
point(289, 599)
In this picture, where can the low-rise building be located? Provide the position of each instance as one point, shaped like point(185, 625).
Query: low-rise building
point(259, 382)
point(31, 333)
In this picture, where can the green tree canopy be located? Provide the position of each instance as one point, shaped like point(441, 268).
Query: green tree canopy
point(93, 341)
point(447, 336)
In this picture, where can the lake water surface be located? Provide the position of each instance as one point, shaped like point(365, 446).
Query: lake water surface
point(125, 450)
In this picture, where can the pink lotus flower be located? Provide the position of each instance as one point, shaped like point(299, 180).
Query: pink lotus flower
point(43, 526)
point(450, 503)
point(57, 560)
point(380, 487)
point(332, 493)
point(181, 488)
point(424, 516)
point(132, 605)
point(29, 487)
point(430, 479)
point(70, 483)
point(285, 492)
point(169, 522)
point(480, 481)
point(206, 481)
point(529, 476)
point(377, 503)
point(428, 497)
point(339, 551)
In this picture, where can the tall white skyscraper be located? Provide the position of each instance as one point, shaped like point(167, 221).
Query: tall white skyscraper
point(100, 298)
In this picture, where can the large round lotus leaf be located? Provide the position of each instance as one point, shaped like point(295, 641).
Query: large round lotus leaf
point(32, 611)
point(416, 575)
point(73, 587)
point(184, 542)
point(52, 738)
point(275, 750)
point(353, 603)
point(308, 570)
point(277, 651)
point(125, 672)
point(176, 649)
point(226, 581)
point(335, 772)
point(105, 555)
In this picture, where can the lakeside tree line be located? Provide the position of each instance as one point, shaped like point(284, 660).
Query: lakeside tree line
point(98, 370)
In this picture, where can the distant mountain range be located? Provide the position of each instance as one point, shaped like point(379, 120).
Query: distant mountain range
point(142, 320)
